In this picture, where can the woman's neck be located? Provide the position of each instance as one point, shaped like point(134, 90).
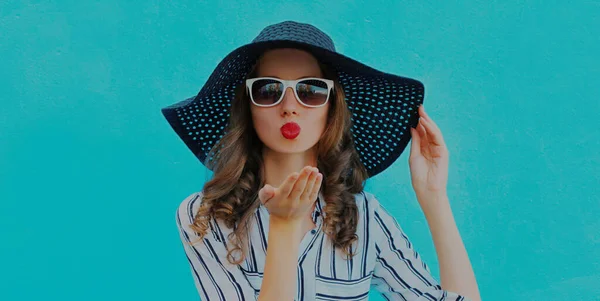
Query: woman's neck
point(278, 166)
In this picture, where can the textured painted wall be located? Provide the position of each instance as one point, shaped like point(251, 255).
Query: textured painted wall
point(90, 173)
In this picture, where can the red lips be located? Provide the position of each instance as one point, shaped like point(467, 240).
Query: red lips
point(290, 130)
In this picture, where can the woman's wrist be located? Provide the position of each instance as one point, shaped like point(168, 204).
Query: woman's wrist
point(289, 228)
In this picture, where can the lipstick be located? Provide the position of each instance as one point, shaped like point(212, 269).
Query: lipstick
point(290, 130)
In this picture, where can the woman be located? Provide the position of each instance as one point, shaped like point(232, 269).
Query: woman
point(291, 130)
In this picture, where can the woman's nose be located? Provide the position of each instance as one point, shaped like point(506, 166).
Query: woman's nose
point(289, 97)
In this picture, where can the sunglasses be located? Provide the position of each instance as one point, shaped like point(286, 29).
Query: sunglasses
point(268, 91)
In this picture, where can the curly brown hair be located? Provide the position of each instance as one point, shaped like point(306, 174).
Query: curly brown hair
point(232, 194)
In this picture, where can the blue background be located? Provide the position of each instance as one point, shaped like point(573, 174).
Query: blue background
point(91, 174)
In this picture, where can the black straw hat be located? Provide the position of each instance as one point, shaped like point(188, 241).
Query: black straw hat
point(383, 106)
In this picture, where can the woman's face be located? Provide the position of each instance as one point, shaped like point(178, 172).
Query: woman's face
point(289, 64)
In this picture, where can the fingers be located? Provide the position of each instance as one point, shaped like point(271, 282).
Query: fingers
point(415, 146)
point(310, 184)
point(265, 194)
point(288, 184)
point(428, 129)
point(435, 134)
point(316, 187)
point(422, 132)
point(301, 183)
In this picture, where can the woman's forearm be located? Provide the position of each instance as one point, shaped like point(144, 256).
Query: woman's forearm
point(281, 264)
point(456, 272)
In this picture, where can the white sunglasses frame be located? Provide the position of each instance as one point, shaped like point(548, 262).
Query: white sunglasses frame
point(286, 84)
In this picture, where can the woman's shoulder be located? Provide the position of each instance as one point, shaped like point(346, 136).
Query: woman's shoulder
point(366, 199)
point(188, 207)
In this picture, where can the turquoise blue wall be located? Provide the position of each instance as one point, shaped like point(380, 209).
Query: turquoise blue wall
point(90, 173)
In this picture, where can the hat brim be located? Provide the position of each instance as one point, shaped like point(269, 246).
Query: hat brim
point(383, 105)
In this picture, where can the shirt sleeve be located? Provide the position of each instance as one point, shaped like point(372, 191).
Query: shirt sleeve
point(215, 278)
point(400, 273)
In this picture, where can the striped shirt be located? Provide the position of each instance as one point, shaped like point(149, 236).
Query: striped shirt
point(386, 260)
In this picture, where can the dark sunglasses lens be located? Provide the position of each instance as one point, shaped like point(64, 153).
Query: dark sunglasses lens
point(266, 91)
point(312, 92)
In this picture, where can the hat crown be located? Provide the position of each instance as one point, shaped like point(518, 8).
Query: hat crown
point(298, 32)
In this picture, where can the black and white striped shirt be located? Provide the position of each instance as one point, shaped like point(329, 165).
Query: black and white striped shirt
point(386, 260)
